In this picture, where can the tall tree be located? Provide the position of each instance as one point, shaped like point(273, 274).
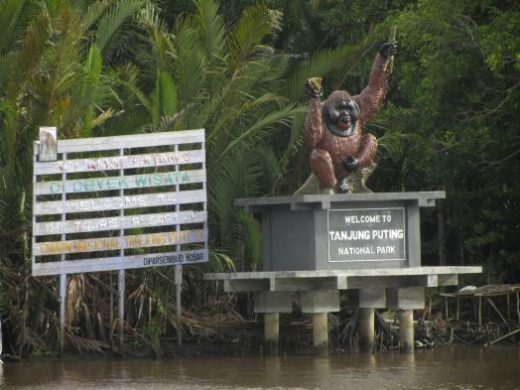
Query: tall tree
point(453, 124)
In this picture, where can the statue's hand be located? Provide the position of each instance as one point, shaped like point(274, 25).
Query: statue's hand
point(388, 49)
point(313, 87)
point(350, 163)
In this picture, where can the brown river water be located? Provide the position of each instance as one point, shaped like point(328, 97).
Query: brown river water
point(441, 368)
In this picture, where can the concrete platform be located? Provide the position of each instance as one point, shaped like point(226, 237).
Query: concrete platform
point(317, 293)
point(341, 279)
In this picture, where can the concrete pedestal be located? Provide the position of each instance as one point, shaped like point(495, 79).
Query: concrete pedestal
point(366, 329)
point(271, 304)
point(319, 303)
point(308, 232)
point(406, 331)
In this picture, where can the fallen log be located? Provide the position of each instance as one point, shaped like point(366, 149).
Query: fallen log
point(503, 337)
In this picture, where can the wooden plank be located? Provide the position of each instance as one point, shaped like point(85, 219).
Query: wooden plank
point(119, 162)
point(96, 184)
point(113, 263)
point(131, 141)
point(116, 243)
point(119, 222)
point(118, 203)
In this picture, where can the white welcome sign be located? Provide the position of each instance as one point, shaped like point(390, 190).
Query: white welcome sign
point(115, 203)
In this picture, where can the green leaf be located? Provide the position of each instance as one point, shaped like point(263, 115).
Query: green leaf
point(164, 97)
point(212, 29)
point(111, 23)
point(256, 23)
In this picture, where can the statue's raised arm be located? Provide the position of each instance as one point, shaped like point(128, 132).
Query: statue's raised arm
point(371, 98)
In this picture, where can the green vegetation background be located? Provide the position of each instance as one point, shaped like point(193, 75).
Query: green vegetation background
point(97, 68)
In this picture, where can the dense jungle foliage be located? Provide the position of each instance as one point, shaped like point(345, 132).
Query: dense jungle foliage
point(97, 68)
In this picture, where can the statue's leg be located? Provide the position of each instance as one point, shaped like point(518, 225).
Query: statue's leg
point(321, 165)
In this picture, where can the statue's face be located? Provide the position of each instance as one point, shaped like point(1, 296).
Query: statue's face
point(341, 114)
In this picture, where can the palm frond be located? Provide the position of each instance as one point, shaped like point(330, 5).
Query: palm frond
point(220, 262)
point(253, 238)
point(93, 14)
point(280, 116)
point(164, 97)
point(110, 25)
point(320, 64)
point(190, 69)
point(161, 50)
point(15, 16)
point(256, 23)
point(54, 7)
point(128, 78)
point(33, 48)
point(293, 146)
point(212, 29)
point(7, 61)
point(90, 87)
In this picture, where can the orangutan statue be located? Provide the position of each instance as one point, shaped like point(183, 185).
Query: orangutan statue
point(342, 156)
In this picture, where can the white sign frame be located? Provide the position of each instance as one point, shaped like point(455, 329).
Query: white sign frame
point(176, 170)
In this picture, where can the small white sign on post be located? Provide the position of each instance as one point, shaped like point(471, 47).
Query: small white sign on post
point(48, 144)
point(112, 203)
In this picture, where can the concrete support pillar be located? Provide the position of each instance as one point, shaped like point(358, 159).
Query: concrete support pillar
point(271, 333)
point(366, 329)
point(406, 331)
point(319, 303)
point(320, 333)
point(271, 304)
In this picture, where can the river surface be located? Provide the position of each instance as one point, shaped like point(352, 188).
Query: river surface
point(440, 368)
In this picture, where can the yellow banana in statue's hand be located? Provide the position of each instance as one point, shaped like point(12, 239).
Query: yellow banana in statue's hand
point(313, 87)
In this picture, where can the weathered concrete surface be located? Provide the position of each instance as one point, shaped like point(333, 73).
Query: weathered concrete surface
point(341, 279)
point(320, 333)
point(321, 301)
point(271, 333)
point(272, 302)
point(406, 331)
point(366, 329)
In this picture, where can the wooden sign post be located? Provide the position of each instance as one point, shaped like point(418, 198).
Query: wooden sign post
point(117, 203)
